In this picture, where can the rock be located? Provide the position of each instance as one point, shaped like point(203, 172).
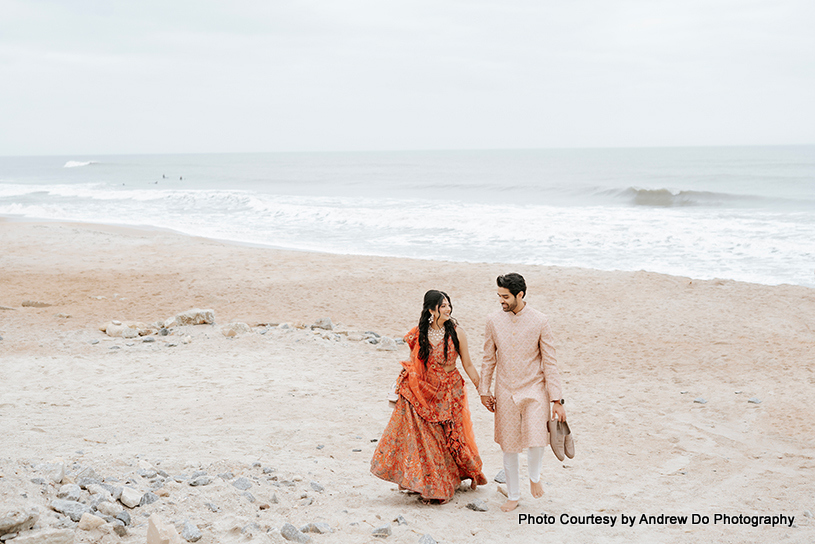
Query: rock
point(69, 492)
point(72, 509)
point(86, 473)
point(323, 323)
point(249, 496)
point(226, 476)
point(119, 527)
point(386, 344)
point(104, 493)
point(319, 528)
point(316, 487)
point(16, 521)
point(89, 522)
point(700, 400)
point(130, 497)
point(754, 400)
point(34, 304)
point(194, 316)
point(160, 533)
point(478, 505)
point(400, 520)
point(147, 339)
point(163, 331)
point(187, 339)
point(234, 329)
point(147, 472)
point(242, 483)
point(292, 533)
point(54, 471)
point(427, 539)
point(129, 333)
point(383, 531)
point(109, 508)
point(46, 536)
point(190, 532)
point(501, 477)
point(200, 480)
point(124, 517)
point(212, 507)
point(148, 498)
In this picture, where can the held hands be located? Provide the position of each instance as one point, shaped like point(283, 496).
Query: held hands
point(489, 402)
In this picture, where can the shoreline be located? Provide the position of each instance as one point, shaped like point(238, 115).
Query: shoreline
point(666, 365)
point(124, 228)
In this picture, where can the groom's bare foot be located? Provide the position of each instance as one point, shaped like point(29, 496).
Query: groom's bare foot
point(509, 506)
point(536, 488)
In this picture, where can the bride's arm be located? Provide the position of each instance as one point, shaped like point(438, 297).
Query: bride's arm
point(464, 352)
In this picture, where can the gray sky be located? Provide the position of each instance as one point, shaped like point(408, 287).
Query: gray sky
point(171, 76)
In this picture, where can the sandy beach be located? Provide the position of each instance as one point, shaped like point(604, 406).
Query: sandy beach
point(684, 396)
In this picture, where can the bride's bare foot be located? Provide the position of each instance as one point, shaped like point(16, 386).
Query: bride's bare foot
point(536, 488)
point(509, 506)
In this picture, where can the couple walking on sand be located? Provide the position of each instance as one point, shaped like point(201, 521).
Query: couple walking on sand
point(428, 446)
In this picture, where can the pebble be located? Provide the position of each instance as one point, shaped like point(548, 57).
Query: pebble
point(148, 498)
point(226, 476)
point(292, 533)
point(427, 539)
point(249, 496)
point(501, 477)
point(212, 507)
point(478, 505)
point(754, 400)
point(130, 497)
point(324, 323)
point(124, 517)
point(200, 480)
point(319, 528)
point(72, 509)
point(16, 521)
point(356, 450)
point(119, 527)
point(89, 522)
point(316, 487)
point(242, 483)
point(700, 400)
point(383, 531)
point(386, 344)
point(400, 520)
point(190, 532)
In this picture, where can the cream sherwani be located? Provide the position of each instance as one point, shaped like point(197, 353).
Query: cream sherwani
point(519, 350)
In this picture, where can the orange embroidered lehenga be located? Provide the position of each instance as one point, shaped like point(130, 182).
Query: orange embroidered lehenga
point(429, 446)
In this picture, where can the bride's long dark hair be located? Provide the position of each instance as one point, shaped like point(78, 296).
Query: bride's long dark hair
point(432, 300)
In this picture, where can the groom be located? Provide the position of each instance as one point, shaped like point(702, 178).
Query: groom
point(518, 348)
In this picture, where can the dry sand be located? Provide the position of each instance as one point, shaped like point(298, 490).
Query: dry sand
point(635, 351)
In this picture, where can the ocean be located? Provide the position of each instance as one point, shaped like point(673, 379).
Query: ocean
point(742, 213)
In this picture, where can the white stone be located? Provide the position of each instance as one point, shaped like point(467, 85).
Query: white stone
point(234, 329)
point(194, 316)
point(89, 522)
point(130, 497)
point(127, 332)
point(109, 508)
point(46, 536)
point(386, 344)
point(159, 533)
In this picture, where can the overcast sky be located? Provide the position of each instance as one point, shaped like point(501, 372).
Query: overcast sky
point(169, 76)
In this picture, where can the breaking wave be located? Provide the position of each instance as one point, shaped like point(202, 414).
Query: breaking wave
point(75, 164)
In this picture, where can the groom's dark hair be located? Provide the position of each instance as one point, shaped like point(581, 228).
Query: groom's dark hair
point(512, 281)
